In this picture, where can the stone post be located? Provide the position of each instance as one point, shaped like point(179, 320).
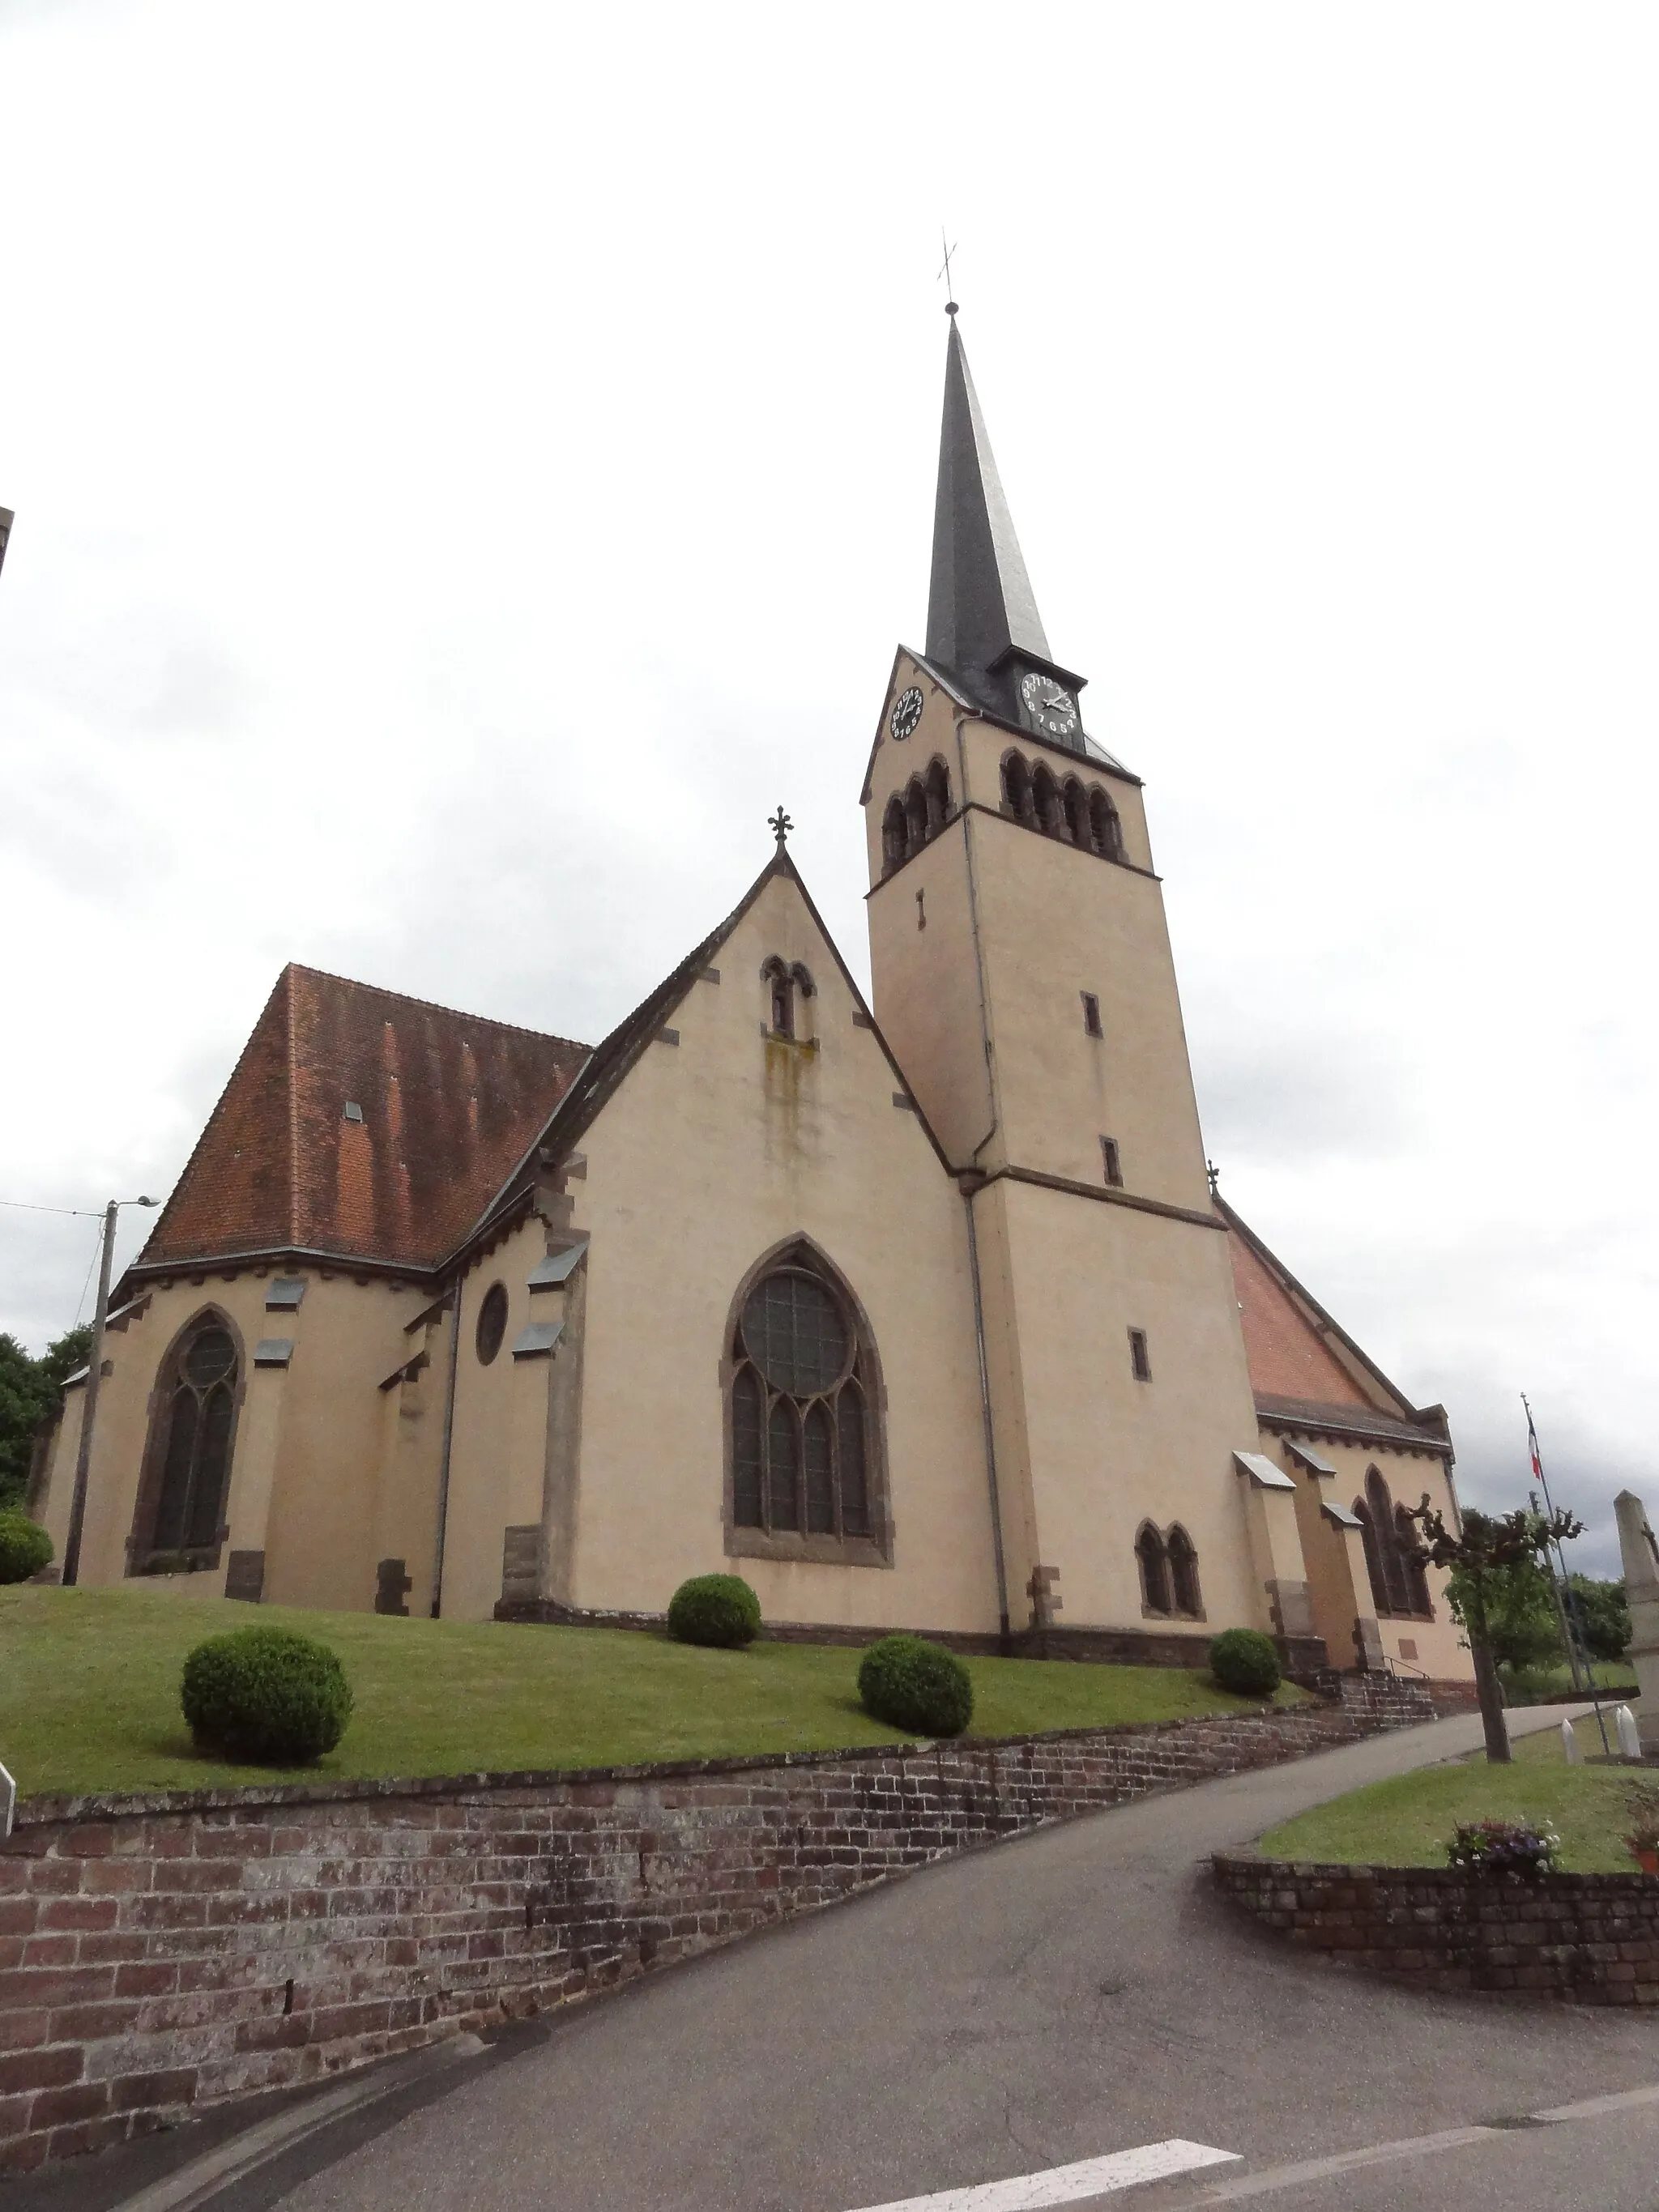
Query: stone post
point(1639, 1555)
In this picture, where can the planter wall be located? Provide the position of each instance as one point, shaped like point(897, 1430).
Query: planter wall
point(160, 1953)
point(1585, 1938)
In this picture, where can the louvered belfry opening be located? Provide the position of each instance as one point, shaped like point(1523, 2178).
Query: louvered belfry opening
point(800, 1408)
point(198, 1408)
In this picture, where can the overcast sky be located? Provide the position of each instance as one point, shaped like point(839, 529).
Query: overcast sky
point(472, 464)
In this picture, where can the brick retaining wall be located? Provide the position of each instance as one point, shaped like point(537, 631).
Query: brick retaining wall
point(1585, 1938)
point(161, 1952)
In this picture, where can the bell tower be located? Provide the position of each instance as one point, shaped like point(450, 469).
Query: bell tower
point(1023, 975)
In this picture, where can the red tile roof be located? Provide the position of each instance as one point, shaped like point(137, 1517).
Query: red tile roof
point(450, 1103)
point(1287, 1357)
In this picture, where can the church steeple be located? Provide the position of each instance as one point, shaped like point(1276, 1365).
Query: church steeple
point(983, 620)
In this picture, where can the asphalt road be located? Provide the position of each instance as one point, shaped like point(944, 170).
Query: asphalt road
point(1073, 1994)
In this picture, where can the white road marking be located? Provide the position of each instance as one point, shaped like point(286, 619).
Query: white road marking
point(1591, 2108)
point(1342, 2162)
point(1065, 2185)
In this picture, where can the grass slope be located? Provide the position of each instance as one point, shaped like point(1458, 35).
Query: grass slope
point(1408, 1820)
point(89, 1694)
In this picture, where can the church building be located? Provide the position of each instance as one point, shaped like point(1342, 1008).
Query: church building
point(918, 1314)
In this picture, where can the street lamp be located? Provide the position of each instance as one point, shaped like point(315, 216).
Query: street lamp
point(88, 1411)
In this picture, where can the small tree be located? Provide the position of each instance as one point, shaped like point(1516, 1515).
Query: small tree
point(31, 1390)
point(1603, 1616)
point(1483, 1559)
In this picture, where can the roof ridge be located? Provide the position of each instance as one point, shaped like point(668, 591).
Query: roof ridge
point(432, 1005)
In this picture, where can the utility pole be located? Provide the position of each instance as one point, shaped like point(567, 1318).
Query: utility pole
point(89, 1409)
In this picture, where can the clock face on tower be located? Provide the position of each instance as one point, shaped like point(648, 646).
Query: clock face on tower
point(1052, 709)
point(906, 712)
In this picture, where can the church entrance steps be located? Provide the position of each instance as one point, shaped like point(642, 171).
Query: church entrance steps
point(163, 1952)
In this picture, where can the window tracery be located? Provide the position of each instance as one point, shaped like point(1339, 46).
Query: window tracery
point(1397, 1564)
point(181, 1506)
point(802, 1428)
point(785, 981)
point(1168, 1565)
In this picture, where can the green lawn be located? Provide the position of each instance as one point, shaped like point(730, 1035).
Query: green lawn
point(89, 1694)
point(1408, 1821)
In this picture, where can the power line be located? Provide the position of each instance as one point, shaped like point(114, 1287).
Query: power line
point(28, 1206)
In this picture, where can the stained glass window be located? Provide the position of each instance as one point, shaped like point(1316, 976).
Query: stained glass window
point(800, 1423)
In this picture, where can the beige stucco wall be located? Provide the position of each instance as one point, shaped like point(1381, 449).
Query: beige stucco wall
point(1340, 1586)
point(309, 1440)
point(713, 1151)
point(1104, 1451)
point(499, 1451)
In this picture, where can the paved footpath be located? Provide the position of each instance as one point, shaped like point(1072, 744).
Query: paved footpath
point(1056, 2002)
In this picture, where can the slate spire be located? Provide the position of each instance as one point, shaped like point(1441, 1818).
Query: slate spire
point(981, 602)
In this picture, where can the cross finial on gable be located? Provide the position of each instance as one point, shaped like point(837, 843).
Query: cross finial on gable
point(1214, 1174)
point(780, 825)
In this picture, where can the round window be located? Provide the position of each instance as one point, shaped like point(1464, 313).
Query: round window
point(794, 1331)
point(492, 1322)
point(210, 1359)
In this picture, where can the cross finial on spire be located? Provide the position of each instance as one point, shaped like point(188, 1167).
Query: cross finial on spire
point(1214, 1174)
point(950, 304)
point(780, 825)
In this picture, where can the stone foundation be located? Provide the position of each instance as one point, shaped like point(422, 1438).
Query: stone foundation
point(157, 1953)
point(1583, 1938)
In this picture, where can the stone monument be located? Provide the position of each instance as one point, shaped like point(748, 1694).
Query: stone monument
point(1638, 1551)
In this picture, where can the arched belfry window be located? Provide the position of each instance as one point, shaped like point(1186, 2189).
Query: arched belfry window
point(804, 1416)
point(895, 835)
point(182, 1494)
point(786, 982)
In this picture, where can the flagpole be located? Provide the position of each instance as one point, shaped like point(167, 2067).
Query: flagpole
point(1576, 1630)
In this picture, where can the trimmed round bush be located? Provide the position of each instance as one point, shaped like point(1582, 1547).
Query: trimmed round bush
point(1244, 1661)
point(25, 1546)
point(913, 1685)
point(719, 1610)
point(266, 1696)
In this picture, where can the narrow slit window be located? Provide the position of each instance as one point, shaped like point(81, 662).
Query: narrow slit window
point(1091, 1014)
point(1139, 1358)
point(1111, 1161)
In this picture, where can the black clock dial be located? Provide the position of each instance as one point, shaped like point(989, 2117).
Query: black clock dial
point(906, 712)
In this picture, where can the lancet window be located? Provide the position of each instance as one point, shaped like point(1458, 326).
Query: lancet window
point(786, 982)
point(1396, 1562)
point(804, 1425)
point(187, 1462)
point(1169, 1572)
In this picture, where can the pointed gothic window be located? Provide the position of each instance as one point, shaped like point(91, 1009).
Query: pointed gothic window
point(1045, 797)
point(1076, 810)
point(803, 1444)
point(1183, 1572)
point(181, 1501)
point(1395, 1563)
point(785, 981)
point(1154, 1564)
